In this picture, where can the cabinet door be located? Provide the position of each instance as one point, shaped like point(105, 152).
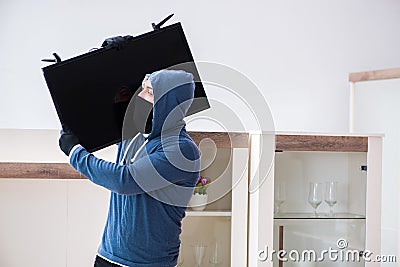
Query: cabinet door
point(298, 230)
point(221, 228)
point(308, 243)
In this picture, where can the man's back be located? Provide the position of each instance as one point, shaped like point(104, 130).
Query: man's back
point(141, 230)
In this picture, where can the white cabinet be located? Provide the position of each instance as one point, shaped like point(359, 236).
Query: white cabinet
point(304, 158)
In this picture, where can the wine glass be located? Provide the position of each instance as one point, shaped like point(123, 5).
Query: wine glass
point(215, 259)
point(315, 196)
point(199, 251)
point(331, 195)
point(280, 196)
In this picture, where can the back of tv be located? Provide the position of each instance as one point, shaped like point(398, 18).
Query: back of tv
point(84, 88)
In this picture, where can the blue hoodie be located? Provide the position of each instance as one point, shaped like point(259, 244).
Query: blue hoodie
point(152, 181)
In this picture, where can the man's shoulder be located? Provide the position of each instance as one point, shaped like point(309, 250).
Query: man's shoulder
point(187, 145)
point(183, 142)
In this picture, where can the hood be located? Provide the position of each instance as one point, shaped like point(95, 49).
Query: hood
point(173, 92)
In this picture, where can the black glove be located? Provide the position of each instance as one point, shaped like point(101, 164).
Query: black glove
point(67, 140)
point(117, 42)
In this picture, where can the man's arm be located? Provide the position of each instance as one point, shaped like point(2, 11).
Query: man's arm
point(111, 176)
point(149, 173)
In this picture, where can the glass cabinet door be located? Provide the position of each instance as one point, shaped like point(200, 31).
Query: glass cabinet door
point(319, 206)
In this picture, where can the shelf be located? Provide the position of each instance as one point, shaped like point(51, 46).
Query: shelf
point(309, 216)
point(206, 213)
point(374, 75)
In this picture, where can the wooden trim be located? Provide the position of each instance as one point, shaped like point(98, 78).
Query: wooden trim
point(321, 143)
point(374, 75)
point(27, 170)
point(222, 139)
point(280, 243)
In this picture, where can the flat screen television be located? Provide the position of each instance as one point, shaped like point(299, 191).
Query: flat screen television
point(84, 88)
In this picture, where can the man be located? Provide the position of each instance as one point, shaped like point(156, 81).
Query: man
point(151, 182)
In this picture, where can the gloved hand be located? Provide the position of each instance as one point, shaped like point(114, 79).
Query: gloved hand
point(117, 42)
point(67, 140)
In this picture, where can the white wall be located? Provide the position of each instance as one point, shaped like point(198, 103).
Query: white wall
point(299, 53)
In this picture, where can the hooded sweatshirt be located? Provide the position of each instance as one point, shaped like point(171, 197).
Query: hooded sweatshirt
point(151, 182)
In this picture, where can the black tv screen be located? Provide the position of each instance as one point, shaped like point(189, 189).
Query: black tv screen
point(84, 88)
